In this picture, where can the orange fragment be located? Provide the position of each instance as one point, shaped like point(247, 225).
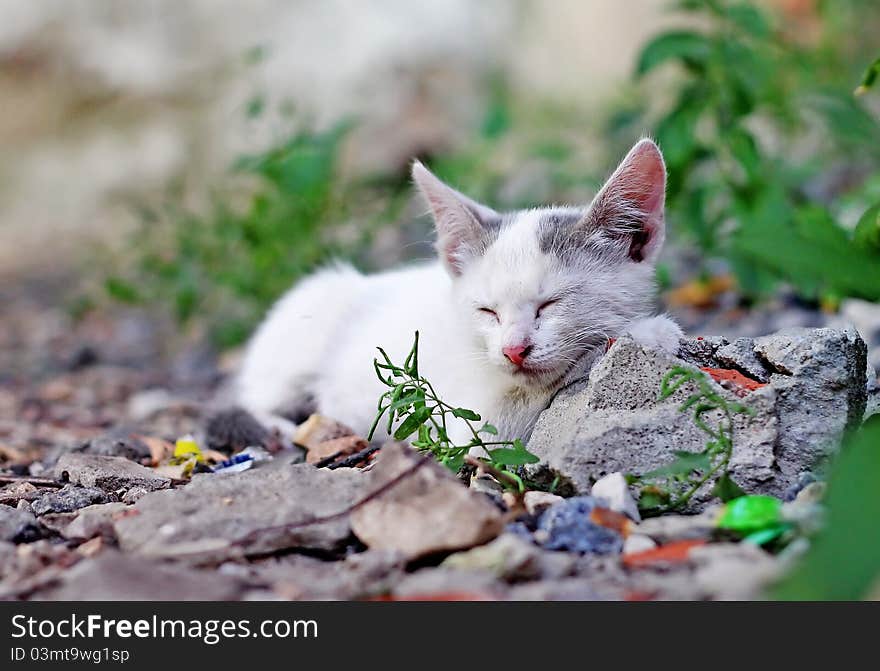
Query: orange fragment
point(671, 553)
point(611, 519)
point(700, 293)
point(734, 376)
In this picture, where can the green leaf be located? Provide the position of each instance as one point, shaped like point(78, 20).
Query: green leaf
point(464, 413)
point(726, 489)
point(867, 233)
point(454, 463)
point(488, 428)
point(512, 456)
point(121, 290)
point(412, 423)
point(690, 47)
point(869, 79)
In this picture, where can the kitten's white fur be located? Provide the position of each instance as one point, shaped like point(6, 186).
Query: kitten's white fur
point(596, 265)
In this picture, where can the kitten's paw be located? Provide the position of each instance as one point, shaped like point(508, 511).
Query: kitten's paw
point(657, 333)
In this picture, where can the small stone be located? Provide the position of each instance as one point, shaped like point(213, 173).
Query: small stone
point(614, 491)
point(14, 492)
point(638, 543)
point(428, 511)
point(119, 442)
point(568, 526)
point(234, 429)
point(733, 570)
point(341, 446)
point(537, 502)
point(94, 521)
point(814, 492)
point(133, 495)
point(18, 526)
point(67, 499)
point(445, 584)
point(511, 558)
point(673, 527)
point(486, 484)
point(107, 473)
point(318, 429)
point(803, 480)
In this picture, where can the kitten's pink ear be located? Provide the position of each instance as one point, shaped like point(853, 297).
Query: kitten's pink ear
point(628, 211)
point(463, 225)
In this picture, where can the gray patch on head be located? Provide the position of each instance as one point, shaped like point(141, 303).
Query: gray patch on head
point(559, 232)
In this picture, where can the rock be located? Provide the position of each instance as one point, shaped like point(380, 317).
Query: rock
point(638, 543)
point(802, 481)
point(700, 351)
point(673, 527)
point(112, 576)
point(613, 490)
point(108, 473)
point(429, 511)
point(614, 420)
point(537, 502)
point(11, 494)
point(18, 526)
point(509, 557)
point(67, 499)
point(134, 495)
point(821, 385)
point(94, 520)
point(568, 525)
point(214, 518)
point(565, 589)
point(487, 485)
point(732, 570)
point(318, 429)
point(358, 576)
point(119, 442)
point(740, 355)
point(872, 404)
point(339, 446)
point(445, 584)
point(233, 429)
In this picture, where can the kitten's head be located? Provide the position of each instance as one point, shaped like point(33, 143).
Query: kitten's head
point(544, 288)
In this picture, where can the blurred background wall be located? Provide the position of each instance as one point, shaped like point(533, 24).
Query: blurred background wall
point(108, 101)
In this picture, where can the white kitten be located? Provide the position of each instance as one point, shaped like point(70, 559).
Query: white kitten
point(519, 305)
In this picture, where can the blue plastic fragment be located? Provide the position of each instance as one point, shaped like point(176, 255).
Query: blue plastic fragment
point(238, 463)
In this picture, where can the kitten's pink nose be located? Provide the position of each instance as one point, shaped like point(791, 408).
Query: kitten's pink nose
point(516, 354)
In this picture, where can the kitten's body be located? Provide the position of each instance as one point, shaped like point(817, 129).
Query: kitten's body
point(551, 279)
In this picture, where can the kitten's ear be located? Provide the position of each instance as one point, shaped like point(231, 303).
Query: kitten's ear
point(463, 225)
point(627, 213)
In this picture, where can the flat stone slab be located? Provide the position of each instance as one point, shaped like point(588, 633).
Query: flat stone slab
point(108, 473)
point(221, 516)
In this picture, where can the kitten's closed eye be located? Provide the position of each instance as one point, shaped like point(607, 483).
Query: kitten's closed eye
point(489, 311)
point(545, 304)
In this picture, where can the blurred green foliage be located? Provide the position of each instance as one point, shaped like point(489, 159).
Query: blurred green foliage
point(844, 560)
point(765, 142)
point(227, 264)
